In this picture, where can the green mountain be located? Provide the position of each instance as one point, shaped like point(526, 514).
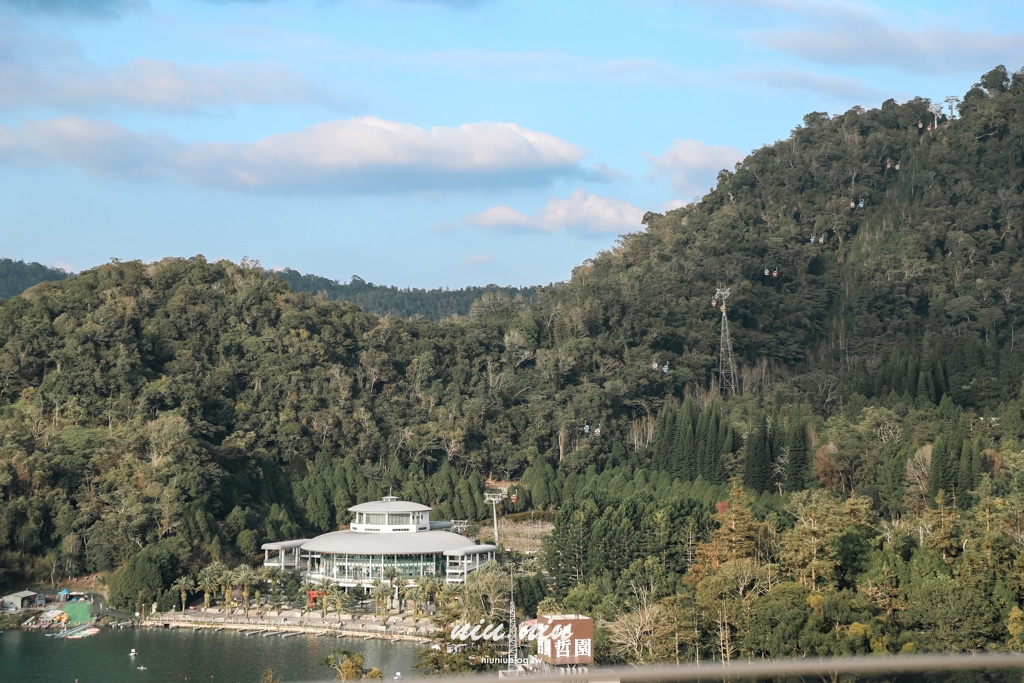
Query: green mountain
point(155, 417)
point(432, 304)
point(17, 276)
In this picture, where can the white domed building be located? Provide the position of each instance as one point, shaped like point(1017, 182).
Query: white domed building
point(385, 533)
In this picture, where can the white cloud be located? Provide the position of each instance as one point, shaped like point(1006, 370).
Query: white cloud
point(927, 50)
point(98, 147)
point(355, 155)
point(692, 166)
point(479, 259)
point(802, 79)
point(580, 212)
point(105, 9)
point(862, 34)
point(540, 66)
point(500, 216)
point(43, 70)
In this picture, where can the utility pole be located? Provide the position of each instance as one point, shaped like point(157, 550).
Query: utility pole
point(936, 110)
point(494, 499)
point(726, 367)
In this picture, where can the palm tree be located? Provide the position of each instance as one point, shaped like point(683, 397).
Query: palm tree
point(246, 576)
point(392, 575)
point(427, 586)
point(270, 575)
point(380, 593)
point(343, 600)
point(227, 580)
point(306, 588)
point(324, 587)
point(415, 593)
point(451, 602)
point(185, 584)
point(207, 581)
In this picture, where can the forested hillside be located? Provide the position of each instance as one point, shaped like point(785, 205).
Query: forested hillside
point(17, 276)
point(186, 410)
point(432, 304)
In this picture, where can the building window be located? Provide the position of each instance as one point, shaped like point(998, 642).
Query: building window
point(400, 518)
point(375, 518)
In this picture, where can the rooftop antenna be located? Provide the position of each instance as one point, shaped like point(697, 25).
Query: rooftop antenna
point(726, 367)
point(951, 100)
point(936, 110)
point(494, 499)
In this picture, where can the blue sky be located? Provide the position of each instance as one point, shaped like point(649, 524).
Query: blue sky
point(426, 143)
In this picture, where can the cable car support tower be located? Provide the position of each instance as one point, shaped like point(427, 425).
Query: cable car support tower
point(726, 367)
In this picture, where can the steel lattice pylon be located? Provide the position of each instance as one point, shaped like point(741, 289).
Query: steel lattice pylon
point(726, 367)
point(513, 635)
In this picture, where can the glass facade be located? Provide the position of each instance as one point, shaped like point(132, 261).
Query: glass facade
point(369, 568)
point(326, 557)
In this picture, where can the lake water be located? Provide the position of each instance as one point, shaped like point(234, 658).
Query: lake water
point(181, 655)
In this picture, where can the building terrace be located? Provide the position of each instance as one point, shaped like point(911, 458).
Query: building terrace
point(383, 534)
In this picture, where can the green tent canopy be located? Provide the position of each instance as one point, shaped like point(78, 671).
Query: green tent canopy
point(78, 612)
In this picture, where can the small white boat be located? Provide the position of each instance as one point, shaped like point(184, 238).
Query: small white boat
point(132, 653)
point(140, 667)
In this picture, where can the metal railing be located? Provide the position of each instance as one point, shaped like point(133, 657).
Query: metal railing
point(820, 669)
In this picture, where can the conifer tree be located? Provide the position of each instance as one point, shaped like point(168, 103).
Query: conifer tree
point(683, 465)
point(796, 448)
point(938, 467)
point(757, 467)
point(665, 437)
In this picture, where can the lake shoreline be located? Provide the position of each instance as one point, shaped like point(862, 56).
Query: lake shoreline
point(289, 624)
point(264, 629)
point(171, 655)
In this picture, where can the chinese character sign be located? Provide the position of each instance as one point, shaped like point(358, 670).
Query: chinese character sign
point(566, 640)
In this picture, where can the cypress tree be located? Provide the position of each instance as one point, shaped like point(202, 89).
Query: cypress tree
point(941, 386)
point(757, 465)
point(701, 439)
point(796, 445)
point(965, 474)
point(861, 382)
point(711, 449)
point(976, 466)
point(923, 392)
point(938, 467)
point(663, 435)
point(540, 495)
point(730, 440)
point(910, 383)
point(776, 446)
point(683, 465)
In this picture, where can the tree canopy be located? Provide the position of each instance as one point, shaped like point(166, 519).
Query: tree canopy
point(156, 416)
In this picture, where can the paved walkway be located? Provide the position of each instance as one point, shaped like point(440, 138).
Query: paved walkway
point(291, 621)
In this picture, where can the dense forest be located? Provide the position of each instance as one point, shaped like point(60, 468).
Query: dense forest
point(17, 276)
point(860, 490)
point(432, 304)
